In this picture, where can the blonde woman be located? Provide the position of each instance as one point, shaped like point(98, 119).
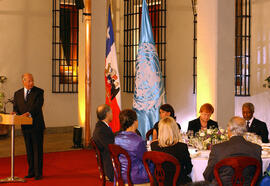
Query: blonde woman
point(168, 142)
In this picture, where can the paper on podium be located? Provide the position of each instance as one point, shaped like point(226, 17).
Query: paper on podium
point(12, 119)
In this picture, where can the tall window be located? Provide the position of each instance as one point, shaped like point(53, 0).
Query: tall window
point(65, 47)
point(242, 48)
point(132, 15)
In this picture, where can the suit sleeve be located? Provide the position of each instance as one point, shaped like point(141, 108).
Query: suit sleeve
point(209, 171)
point(187, 160)
point(15, 105)
point(189, 126)
point(38, 103)
point(105, 139)
point(216, 124)
point(264, 133)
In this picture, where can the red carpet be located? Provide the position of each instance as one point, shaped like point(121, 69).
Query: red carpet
point(71, 168)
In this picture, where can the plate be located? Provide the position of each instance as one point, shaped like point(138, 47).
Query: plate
point(265, 154)
point(195, 155)
point(205, 153)
point(192, 150)
point(266, 148)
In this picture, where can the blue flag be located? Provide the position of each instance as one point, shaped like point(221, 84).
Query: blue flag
point(149, 89)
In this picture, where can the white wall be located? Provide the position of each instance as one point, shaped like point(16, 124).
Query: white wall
point(179, 66)
point(26, 45)
point(260, 62)
point(215, 65)
point(98, 46)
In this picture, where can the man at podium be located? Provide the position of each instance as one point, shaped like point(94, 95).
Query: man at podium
point(28, 101)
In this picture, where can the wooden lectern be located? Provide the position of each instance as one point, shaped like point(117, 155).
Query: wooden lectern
point(12, 119)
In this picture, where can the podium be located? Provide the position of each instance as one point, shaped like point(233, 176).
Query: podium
point(12, 119)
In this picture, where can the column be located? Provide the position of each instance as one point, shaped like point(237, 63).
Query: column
point(215, 64)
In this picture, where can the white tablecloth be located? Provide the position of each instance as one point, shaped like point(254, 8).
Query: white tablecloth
point(200, 163)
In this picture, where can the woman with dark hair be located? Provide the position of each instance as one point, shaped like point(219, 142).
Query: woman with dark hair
point(134, 145)
point(164, 111)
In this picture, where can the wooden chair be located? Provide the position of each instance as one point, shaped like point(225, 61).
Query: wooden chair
point(99, 162)
point(158, 158)
point(149, 133)
point(238, 163)
point(115, 152)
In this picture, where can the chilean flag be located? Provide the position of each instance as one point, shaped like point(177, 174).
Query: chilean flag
point(112, 81)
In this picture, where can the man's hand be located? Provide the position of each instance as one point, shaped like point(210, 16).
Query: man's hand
point(27, 114)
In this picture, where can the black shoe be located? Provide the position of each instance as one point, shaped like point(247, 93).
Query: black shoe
point(29, 176)
point(38, 177)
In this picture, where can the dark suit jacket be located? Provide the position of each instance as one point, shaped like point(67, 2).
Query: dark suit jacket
point(103, 136)
point(195, 125)
point(181, 153)
point(33, 106)
point(260, 129)
point(236, 146)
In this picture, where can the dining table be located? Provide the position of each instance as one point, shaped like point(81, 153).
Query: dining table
point(199, 160)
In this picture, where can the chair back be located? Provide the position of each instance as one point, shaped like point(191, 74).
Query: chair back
point(158, 158)
point(149, 133)
point(238, 163)
point(99, 162)
point(115, 152)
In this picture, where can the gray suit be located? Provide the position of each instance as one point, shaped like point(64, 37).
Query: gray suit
point(236, 146)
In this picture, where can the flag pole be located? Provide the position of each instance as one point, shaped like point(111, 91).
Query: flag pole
point(88, 19)
point(110, 3)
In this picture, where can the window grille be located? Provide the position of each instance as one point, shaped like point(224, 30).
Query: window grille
point(65, 45)
point(132, 22)
point(242, 47)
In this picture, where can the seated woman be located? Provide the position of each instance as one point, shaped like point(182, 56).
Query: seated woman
point(168, 142)
point(164, 110)
point(203, 122)
point(134, 145)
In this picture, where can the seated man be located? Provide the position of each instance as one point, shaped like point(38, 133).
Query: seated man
point(254, 125)
point(236, 146)
point(103, 136)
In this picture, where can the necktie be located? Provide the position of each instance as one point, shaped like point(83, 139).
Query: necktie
point(248, 125)
point(27, 94)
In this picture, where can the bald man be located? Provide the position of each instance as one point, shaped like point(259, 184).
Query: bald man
point(28, 101)
point(236, 146)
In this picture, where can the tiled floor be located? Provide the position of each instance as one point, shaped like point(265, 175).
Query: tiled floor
point(52, 143)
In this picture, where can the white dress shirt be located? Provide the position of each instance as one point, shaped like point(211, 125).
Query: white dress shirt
point(25, 93)
point(250, 121)
point(105, 123)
